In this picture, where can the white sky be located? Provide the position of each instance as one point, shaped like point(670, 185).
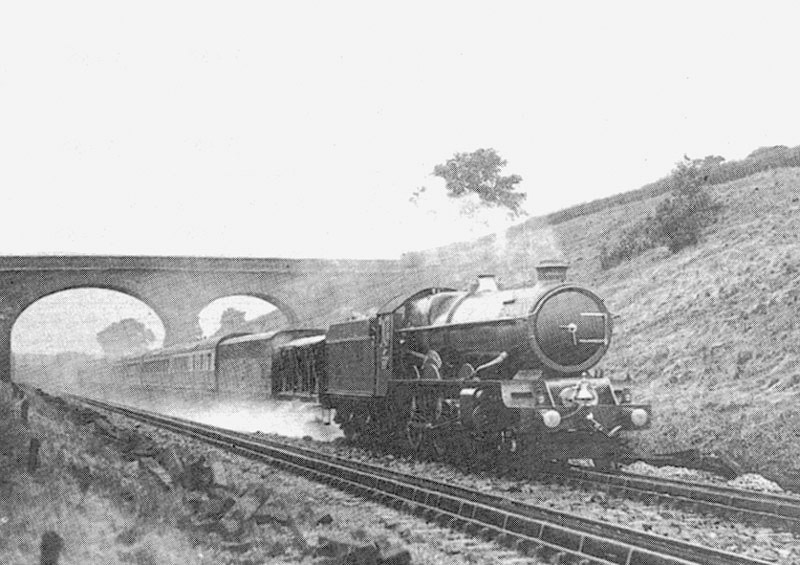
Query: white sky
point(300, 129)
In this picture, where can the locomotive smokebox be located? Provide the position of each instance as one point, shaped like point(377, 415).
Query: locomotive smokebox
point(551, 271)
point(569, 328)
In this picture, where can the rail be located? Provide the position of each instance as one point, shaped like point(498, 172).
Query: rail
point(764, 509)
point(529, 528)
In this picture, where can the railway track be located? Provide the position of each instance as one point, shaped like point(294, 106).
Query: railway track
point(764, 509)
point(532, 530)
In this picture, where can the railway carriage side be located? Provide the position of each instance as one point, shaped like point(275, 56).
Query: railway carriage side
point(236, 365)
point(186, 367)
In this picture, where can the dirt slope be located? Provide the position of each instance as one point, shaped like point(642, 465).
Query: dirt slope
point(710, 336)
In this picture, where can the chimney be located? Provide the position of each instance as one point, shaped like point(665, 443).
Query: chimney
point(551, 271)
point(486, 283)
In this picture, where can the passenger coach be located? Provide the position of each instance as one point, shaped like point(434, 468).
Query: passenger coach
point(236, 365)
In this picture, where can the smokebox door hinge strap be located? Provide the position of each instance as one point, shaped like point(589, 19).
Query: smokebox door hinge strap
point(604, 316)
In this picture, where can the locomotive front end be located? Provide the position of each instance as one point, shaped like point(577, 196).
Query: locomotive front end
point(569, 331)
point(556, 399)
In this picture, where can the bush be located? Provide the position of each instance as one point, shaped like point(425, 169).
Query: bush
point(681, 218)
point(633, 241)
point(678, 221)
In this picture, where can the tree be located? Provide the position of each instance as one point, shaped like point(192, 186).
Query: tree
point(126, 337)
point(479, 173)
point(231, 320)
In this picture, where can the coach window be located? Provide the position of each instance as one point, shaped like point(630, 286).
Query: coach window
point(178, 365)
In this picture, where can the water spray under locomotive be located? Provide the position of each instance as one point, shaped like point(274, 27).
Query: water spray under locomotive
point(484, 369)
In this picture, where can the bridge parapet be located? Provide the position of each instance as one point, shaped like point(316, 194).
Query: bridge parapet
point(189, 264)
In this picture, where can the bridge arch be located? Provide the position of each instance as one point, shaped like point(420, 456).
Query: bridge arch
point(54, 338)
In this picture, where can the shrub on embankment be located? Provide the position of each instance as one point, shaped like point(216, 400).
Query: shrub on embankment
point(677, 223)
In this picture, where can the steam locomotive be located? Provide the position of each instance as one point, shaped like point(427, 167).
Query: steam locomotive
point(485, 369)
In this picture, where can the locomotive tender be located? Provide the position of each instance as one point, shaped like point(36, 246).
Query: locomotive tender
point(486, 368)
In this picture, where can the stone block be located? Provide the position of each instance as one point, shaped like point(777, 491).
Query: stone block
point(170, 461)
point(399, 557)
point(152, 467)
point(197, 476)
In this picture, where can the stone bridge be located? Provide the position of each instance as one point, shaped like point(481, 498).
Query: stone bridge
point(309, 292)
